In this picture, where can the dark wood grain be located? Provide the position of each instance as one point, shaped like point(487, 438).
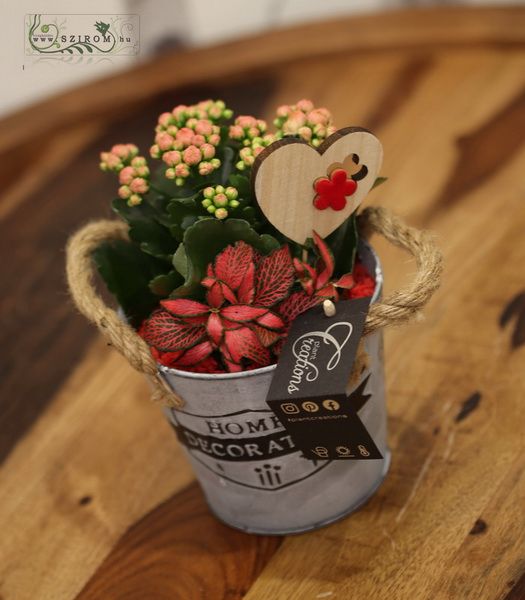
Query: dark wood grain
point(181, 552)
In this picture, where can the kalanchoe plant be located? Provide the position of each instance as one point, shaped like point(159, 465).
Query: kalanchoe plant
point(209, 283)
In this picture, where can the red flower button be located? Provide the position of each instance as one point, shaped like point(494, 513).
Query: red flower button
point(333, 190)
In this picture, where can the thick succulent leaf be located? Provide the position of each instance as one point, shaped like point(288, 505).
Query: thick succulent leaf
point(275, 275)
point(145, 229)
point(242, 313)
point(242, 183)
point(184, 307)
point(169, 334)
point(218, 235)
point(127, 272)
point(244, 343)
point(297, 303)
point(180, 261)
point(163, 285)
point(343, 243)
point(232, 264)
point(184, 212)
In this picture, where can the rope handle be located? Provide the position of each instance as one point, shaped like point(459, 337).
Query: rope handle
point(398, 308)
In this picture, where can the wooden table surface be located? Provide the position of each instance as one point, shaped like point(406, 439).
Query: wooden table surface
point(96, 499)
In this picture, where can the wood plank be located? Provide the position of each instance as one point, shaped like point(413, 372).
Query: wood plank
point(97, 460)
point(180, 551)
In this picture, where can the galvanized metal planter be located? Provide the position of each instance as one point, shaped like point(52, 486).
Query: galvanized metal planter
point(252, 476)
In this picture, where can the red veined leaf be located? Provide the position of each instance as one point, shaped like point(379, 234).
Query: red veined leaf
point(328, 291)
point(346, 281)
point(275, 275)
point(168, 334)
point(231, 324)
point(325, 267)
point(228, 293)
point(267, 337)
point(296, 304)
point(246, 290)
point(214, 328)
point(208, 365)
point(214, 296)
point(232, 366)
point(165, 358)
point(208, 282)
point(270, 320)
point(242, 313)
point(243, 343)
point(232, 263)
point(195, 355)
point(183, 307)
point(304, 270)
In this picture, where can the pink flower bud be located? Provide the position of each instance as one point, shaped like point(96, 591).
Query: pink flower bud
point(305, 105)
point(165, 119)
point(120, 150)
point(179, 112)
point(182, 170)
point(215, 112)
point(208, 151)
point(236, 132)
point(139, 185)
point(192, 155)
point(154, 151)
point(283, 111)
point(113, 162)
point(198, 140)
point(124, 192)
point(172, 158)
point(142, 171)
point(172, 130)
point(203, 127)
point(246, 121)
point(318, 117)
point(253, 132)
point(205, 168)
point(138, 161)
point(126, 175)
point(305, 133)
point(185, 136)
point(164, 141)
point(214, 139)
point(134, 200)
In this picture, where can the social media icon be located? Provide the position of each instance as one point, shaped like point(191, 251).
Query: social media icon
point(343, 451)
point(290, 408)
point(331, 404)
point(310, 406)
point(321, 451)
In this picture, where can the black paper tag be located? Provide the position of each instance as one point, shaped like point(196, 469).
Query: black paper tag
point(308, 388)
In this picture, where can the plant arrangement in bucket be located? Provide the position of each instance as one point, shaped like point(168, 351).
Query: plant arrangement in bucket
point(218, 263)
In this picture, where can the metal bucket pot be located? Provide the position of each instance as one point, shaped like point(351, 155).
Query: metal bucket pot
point(252, 476)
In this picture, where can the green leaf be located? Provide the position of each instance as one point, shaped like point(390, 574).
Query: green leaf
point(145, 230)
point(242, 183)
point(343, 243)
point(379, 181)
point(180, 261)
point(183, 212)
point(163, 285)
point(127, 272)
point(206, 238)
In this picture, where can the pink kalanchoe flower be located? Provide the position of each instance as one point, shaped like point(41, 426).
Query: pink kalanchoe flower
point(214, 139)
point(126, 175)
point(185, 136)
point(192, 155)
point(208, 151)
point(305, 105)
point(204, 127)
point(172, 158)
point(311, 124)
point(182, 170)
point(139, 185)
point(236, 132)
point(124, 192)
point(165, 119)
point(206, 168)
point(164, 141)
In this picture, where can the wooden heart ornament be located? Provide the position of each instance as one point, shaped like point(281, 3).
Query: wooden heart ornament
point(300, 188)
